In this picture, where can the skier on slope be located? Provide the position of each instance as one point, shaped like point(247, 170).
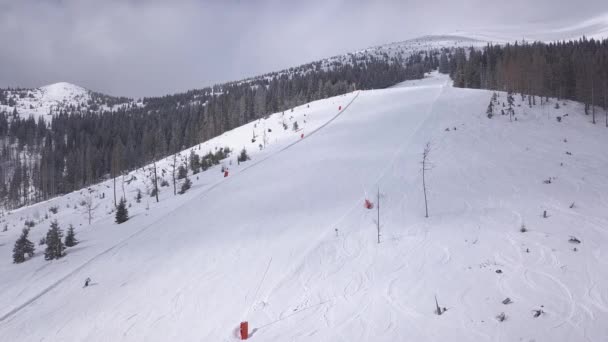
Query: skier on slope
point(87, 281)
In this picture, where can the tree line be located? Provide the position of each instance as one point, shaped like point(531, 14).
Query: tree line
point(574, 70)
point(39, 160)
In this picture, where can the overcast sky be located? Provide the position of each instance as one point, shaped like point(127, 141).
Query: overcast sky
point(145, 48)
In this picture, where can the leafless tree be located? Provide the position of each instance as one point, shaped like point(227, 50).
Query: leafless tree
point(90, 207)
point(605, 103)
point(155, 181)
point(124, 195)
point(173, 173)
point(425, 167)
point(593, 99)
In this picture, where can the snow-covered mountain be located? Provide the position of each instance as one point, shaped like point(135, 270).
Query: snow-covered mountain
point(285, 242)
point(394, 52)
point(56, 98)
point(70, 98)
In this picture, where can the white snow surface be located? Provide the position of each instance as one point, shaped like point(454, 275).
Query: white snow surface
point(285, 243)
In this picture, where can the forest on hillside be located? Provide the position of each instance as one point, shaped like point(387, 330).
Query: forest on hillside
point(39, 160)
point(574, 70)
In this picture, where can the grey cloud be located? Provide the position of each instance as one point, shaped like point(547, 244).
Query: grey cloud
point(139, 48)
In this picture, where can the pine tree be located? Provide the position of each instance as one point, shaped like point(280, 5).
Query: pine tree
point(243, 156)
point(187, 184)
point(23, 247)
point(295, 126)
point(444, 64)
point(70, 238)
point(195, 162)
point(138, 196)
point(182, 172)
point(490, 110)
point(54, 245)
point(122, 213)
point(510, 101)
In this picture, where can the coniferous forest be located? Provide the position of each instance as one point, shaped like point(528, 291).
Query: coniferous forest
point(573, 70)
point(39, 159)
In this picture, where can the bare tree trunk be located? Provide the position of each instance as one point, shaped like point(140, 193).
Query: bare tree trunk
point(425, 155)
point(174, 183)
point(90, 207)
point(114, 190)
point(155, 181)
point(592, 101)
point(122, 178)
point(606, 104)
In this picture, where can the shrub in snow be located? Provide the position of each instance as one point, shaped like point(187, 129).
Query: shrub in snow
point(23, 247)
point(523, 228)
point(29, 223)
point(54, 209)
point(54, 246)
point(70, 238)
point(187, 184)
point(164, 182)
point(295, 126)
point(195, 162)
point(243, 156)
point(182, 172)
point(122, 213)
point(138, 196)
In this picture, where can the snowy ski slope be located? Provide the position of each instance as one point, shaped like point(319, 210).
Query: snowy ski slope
point(285, 243)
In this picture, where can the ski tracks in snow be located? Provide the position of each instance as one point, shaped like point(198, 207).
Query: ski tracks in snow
point(140, 231)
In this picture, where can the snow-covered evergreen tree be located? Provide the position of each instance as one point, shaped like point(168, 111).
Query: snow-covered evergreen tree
point(182, 172)
point(70, 238)
point(122, 213)
point(54, 246)
point(243, 156)
point(186, 185)
point(23, 247)
point(490, 110)
point(195, 162)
